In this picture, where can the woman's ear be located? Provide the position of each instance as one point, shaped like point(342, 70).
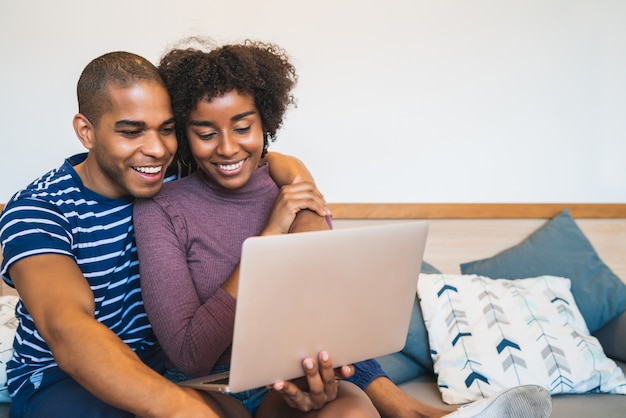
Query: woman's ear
point(85, 131)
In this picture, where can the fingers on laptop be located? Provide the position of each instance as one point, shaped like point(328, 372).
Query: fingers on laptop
point(328, 377)
point(344, 371)
point(321, 381)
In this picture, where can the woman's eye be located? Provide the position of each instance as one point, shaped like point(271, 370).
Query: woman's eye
point(242, 130)
point(206, 136)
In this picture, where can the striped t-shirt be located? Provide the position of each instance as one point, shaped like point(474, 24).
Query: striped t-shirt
point(56, 214)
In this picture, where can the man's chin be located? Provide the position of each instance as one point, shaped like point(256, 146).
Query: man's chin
point(145, 192)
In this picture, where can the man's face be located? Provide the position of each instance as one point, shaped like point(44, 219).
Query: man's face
point(134, 142)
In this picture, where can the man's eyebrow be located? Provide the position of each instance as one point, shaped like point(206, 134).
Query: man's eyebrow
point(133, 123)
point(139, 124)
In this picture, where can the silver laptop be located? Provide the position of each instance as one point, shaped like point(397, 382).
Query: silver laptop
point(348, 291)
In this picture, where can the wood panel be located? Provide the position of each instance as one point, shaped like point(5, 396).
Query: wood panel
point(474, 210)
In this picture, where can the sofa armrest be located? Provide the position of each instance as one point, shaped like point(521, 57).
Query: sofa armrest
point(612, 336)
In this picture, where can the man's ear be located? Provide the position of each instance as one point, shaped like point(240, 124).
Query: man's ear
point(85, 131)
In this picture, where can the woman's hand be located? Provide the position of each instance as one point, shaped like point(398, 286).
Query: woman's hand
point(321, 384)
point(293, 198)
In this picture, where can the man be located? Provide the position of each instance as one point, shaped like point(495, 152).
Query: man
point(84, 346)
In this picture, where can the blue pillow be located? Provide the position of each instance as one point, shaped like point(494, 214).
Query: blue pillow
point(559, 248)
point(414, 360)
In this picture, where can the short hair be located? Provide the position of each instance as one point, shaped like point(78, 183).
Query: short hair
point(114, 68)
point(203, 72)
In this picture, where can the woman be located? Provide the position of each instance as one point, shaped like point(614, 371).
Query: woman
point(228, 105)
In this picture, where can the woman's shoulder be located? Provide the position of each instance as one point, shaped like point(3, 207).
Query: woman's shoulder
point(171, 192)
point(179, 187)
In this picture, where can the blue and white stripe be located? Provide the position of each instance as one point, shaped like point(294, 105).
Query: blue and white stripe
point(57, 215)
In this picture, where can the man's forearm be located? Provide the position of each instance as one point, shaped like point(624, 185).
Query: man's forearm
point(61, 304)
point(284, 169)
point(307, 220)
point(95, 357)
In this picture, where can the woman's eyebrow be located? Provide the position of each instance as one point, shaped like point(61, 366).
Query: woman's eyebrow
point(201, 123)
point(235, 118)
point(242, 115)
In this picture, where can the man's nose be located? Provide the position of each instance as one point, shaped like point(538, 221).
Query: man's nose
point(155, 145)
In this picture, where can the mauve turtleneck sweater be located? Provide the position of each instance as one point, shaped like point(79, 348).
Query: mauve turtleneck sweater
point(189, 239)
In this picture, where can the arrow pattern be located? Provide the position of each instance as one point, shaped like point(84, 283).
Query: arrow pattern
point(458, 326)
point(507, 347)
point(553, 355)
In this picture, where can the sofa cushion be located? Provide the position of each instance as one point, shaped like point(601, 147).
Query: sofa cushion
point(612, 336)
point(487, 335)
point(425, 390)
point(560, 248)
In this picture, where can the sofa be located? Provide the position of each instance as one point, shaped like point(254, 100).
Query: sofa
point(467, 240)
point(470, 242)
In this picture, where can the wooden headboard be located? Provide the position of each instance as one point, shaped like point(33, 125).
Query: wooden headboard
point(462, 232)
point(466, 232)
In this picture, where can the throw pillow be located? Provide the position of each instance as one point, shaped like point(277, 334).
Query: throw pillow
point(8, 326)
point(559, 248)
point(487, 335)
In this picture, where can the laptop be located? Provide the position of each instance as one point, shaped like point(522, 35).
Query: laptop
point(348, 291)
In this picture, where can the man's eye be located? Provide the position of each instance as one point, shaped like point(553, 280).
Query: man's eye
point(168, 131)
point(131, 134)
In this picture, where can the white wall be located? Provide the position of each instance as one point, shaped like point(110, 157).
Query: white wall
point(399, 100)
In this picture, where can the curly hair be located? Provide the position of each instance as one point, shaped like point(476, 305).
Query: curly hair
point(262, 70)
point(120, 68)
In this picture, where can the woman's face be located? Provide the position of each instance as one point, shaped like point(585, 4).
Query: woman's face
point(226, 138)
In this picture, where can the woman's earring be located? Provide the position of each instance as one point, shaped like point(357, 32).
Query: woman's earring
point(266, 145)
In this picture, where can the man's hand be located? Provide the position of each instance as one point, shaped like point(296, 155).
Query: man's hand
point(322, 384)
